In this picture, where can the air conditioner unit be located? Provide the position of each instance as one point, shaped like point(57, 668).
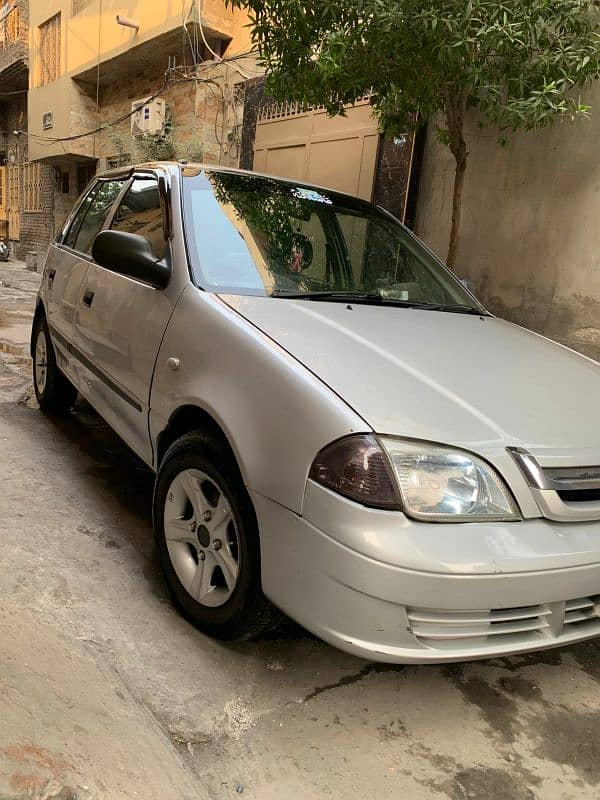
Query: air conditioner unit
point(149, 116)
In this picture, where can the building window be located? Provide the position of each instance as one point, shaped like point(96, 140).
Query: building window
point(32, 187)
point(2, 190)
point(49, 50)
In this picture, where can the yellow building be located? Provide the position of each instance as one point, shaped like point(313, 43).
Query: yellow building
point(24, 219)
point(92, 61)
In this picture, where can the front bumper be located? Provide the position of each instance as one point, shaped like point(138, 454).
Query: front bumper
point(365, 587)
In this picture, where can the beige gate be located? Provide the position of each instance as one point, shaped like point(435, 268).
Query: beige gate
point(306, 144)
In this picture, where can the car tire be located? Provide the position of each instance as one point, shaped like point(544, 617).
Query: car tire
point(54, 391)
point(207, 539)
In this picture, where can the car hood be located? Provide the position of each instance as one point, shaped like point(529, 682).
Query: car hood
point(477, 382)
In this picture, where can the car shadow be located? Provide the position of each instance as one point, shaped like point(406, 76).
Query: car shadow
point(118, 473)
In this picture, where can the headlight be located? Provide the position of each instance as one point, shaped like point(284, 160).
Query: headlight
point(444, 485)
point(427, 482)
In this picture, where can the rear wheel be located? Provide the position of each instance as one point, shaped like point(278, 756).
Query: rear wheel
point(54, 392)
point(207, 539)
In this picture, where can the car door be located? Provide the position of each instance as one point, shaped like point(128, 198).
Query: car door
point(120, 322)
point(68, 262)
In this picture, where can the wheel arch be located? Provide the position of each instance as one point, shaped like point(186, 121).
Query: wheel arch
point(187, 418)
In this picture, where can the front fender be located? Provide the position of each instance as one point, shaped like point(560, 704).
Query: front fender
point(275, 413)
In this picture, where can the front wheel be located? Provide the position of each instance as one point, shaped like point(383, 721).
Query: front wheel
point(207, 540)
point(54, 392)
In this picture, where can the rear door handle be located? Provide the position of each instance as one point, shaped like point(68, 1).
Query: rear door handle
point(51, 274)
point(88, 297)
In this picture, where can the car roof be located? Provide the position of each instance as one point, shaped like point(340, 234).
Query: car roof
point(216, 168)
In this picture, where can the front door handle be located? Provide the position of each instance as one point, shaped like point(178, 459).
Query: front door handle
point(51, 274)
point(88, 297)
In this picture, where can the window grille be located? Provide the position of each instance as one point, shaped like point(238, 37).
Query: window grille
point(32, 187)
point(49, 50)
point(276, 110)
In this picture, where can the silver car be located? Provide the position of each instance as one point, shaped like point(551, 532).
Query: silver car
point(339, 430)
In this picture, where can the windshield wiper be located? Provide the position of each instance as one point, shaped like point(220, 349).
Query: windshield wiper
point(345, 297)
point(376, 297)
point(454, 308)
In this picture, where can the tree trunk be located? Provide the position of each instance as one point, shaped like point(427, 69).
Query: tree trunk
point(455, 114)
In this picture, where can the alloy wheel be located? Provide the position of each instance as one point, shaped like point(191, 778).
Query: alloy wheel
point(202, 537)
point(41, 361)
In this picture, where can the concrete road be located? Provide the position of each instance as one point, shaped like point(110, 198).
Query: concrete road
point(105, 692)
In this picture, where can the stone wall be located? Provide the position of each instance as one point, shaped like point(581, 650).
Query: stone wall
point(205, 114)
point(529, 240)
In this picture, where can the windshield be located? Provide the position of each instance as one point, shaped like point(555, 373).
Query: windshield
point(253, 235)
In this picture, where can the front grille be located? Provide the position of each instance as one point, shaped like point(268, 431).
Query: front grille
point(564, 494)
point(579, 495)
point(449, 629)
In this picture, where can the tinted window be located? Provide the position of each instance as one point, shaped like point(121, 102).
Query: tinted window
point(140, 212)
point(91, 215)
point(254, 235)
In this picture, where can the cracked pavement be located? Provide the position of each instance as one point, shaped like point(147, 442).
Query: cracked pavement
point(105, 692)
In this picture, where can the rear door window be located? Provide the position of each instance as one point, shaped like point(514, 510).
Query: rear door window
point(92, 215)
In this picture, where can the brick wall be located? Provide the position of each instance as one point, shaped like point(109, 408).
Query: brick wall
point(36, 230)
point(15, 51)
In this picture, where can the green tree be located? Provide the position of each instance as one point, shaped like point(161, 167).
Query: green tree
point(521, 63)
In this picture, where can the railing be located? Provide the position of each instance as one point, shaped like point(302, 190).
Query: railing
point(13, 29)
point(276, 110)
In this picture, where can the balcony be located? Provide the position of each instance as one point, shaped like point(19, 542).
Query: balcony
point(14, 43)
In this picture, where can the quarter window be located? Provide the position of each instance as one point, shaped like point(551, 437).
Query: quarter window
point(91, 215)
point(140, 212)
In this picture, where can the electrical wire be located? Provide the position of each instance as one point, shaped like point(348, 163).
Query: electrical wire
point(219, 59)
point(202, 34)
point(117, 121)
point(168, 81)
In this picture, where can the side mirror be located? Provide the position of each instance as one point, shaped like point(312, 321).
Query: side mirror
point(130, 254)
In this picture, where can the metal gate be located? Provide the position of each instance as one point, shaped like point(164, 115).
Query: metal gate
point(302, 143)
